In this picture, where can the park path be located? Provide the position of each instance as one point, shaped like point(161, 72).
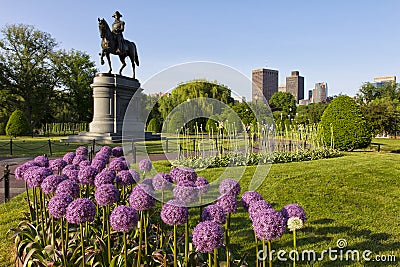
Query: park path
point(17, 187)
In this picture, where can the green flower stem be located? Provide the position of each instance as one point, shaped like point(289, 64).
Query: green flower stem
point(125, 252)
point(140, 238)
point(53, 232)
point(82, 245)
point(227, 237)
point(103, 229)
point(256, 240)
point(264, 252)
point(209, 260)
point(294, 246)
point(215, 257)
point(186, 242)
point(269, 253)
point(175, 248)
point(42, 217)
point(146, 220)
point(63, 245)
point(35, 205)
point(29, 202)
point(123, 195)
point(44, 213)
point(107, 210)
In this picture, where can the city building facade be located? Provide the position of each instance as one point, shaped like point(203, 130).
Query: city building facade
point(295, 85)
point(264, 84)
point(320, 92)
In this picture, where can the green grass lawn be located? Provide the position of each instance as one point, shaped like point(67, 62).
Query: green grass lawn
point(355, 197)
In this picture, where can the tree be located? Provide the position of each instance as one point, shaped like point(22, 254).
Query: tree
point(343, 125)
point(154, 126)
point(17, 124)
point(370, 92)
point(283, 102)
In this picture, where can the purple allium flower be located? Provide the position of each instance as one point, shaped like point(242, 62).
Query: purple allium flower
point(71, 171)
point(84, 163)
point(103, 178)
point(229, 186)
point(78, 159)
point(174, 212)
point(99, 164)
point(202, 185)
point(106, 195)
point(183, 174)
point(141, 197)
point(102, 156)
point(249, 197)
point(228, 203)
point(81, 210)
point(105, 150)
point(207, 236)
point(83, 151)
point(118, 164)
point(20, 170)
point(35, 175)
point(135, 175)
point(258, 206)
point(56, 165)
point(69, 157)
point(162, 181)
point(43, 161)
point(294, 210)
point(51, 182)
point(269, 224)
point(123, 219)
point(145, 165)
point(86, 175)
point(69, 187)
point(214, 213)
point(186, 191)
point(58, 205)
point(124, 178)
point(117, 151)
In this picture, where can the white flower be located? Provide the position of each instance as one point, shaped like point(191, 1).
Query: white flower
point(295, 223)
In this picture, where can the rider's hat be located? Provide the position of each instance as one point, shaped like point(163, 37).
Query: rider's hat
point(117, 15)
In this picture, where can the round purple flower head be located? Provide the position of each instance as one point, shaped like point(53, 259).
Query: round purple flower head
point(99, 164)
point(81, 151)
point(106, 195)
point(124, 178)
point(135, 175)
point(123, 219)
point(118, 164)
point(103, 178)
point(84, 163)
point(69, 187)
point(294, 210)
point(207, 236)
point(69, 157)
point(269, 225)
point(174, 212)
point(78, 159)
point(56, 165)
point(141, 197)
point(186, 191)
point(179, 174)
point(202, 185)
point(258, 206)
point(20, 170)
point(229, 186)
point(58, 205)
point(145, 165)
point(105, 150)
point(162, 181)
point(43, 161)
point(102, 156)
point(117, 151)
point(81, 210)
point(228, 203)
point(86, 175)
point(249, 197)
point(71, 171)
point(51, 182)
point(34, 176)
point(214, 213)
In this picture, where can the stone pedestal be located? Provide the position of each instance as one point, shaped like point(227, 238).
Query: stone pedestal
point(111, 96)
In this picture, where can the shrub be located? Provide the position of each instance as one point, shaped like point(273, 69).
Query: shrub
point(2, 128)
point(342, 125)
point(17, 124)
point(154, 126)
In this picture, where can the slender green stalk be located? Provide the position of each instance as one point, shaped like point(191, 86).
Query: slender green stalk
point(82, 245)
point(294, 246)
point(42, 216)
point(53, 232)
point(35, 205)
point(108, 234)
point(103, 229)
point(227, 238)
point(256, 240)
point(140, 238)
point(175, 249)
point(125, 251)
point(66, 236)
point(264, 253)
point(209, 260)
point(186, 242)
point(269, 253)
point(215, 257)
point(29, 202)
point(63, 245)
point(146, 220)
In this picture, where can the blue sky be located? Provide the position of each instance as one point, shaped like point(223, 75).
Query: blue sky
point(343, 43)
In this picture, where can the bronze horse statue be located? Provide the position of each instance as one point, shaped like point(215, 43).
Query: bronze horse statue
point(109, 46)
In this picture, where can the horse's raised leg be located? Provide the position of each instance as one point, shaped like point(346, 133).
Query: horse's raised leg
point(122, 59)
point(109, 62)
point(101, 57)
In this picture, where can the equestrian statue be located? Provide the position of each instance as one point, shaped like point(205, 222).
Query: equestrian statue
point(113, 42)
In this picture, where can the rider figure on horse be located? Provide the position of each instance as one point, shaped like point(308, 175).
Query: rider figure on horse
point(118, 27)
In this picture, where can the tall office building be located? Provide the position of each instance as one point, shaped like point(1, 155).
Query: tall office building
point(264, 84)
point(295, 85)
point(383, 80)
point(320, 92)
point(282, 88)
